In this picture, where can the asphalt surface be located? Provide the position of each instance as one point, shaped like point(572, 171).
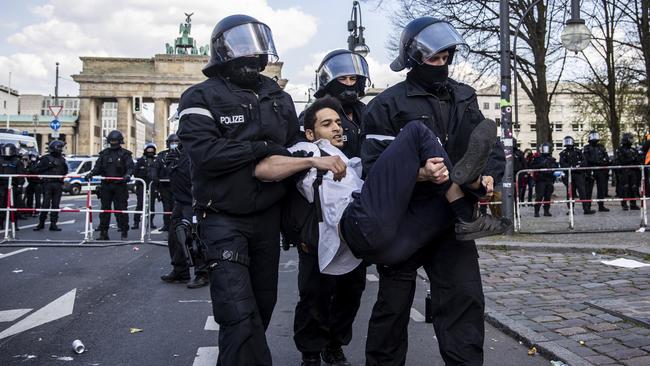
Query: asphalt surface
point(112, 299)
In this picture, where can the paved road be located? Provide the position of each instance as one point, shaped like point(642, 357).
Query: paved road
point(99, 294)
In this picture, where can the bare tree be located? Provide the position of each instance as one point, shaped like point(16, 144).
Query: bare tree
point(540, 57)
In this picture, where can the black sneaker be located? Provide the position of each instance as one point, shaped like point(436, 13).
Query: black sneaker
point(481, 142)
point(103, 235)
point(136, 226)
point(589, 212)
point(635, 208)
point(482, 226)
point(198, 281)
point(174, 276)
point(124, 235)
point(548, 214)
point(603, 209)
point(309, 359)
point(334, 357)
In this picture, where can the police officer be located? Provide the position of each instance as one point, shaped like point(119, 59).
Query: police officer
point(628, 179)
point(572, 157)
point(116, 162)
point(228, 123)
point(144, 169)
point(161, 179)
point(34, 188)
point(544, 183)
point(427, 46)
point(596, 155)
point(344, 75)
point(9, 164)
point(519, 163)
point(51, 164)
point(181, 183)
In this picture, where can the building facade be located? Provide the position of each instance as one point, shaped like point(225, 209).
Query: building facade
point(8, 101)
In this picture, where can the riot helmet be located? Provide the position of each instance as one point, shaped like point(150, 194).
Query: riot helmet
point(150, 149)
point(33, 157)
point(569, 143)
point(9, 150)
point(594, 137)
point(173, 141)
point(545, 149)
point(115, 139)
point(626, 139)
point(422, 38)
point(56, 147)
point(240, 48)
point(340, 63)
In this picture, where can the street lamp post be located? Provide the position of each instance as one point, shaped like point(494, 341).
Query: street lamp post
point(356, 42)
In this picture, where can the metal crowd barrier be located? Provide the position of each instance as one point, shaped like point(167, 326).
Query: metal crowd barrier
point(147, 203)
point(10, 210)
point(572, 200)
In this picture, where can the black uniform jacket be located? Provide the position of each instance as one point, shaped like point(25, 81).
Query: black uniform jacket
point(225, 129)
point(51, 165)
point(180, 178)
point(406, 101)
point(114, 163)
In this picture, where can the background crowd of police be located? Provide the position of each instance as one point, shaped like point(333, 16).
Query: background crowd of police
point(626, 180)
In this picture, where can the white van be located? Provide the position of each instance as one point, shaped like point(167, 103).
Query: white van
point(23, 142)
point(78, 165)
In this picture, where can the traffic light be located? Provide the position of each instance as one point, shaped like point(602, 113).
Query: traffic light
point(137, 104)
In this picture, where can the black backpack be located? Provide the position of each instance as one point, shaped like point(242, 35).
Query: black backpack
point(299, 219)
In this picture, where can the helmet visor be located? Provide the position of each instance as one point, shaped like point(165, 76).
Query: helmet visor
point(546, 149)
point(248, 39)
point(434, 39)
point(594, 136)
point(568, 141)
point(343, 64)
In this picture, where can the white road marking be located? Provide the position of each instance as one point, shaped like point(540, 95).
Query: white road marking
point(13, 314)
point(371, 277)
point(210, 324)
point(16, 252)
point(192, 301)
point(157, 231)
point(59, 223)
point(416, 316)
point(206, 356)
point(57, 309)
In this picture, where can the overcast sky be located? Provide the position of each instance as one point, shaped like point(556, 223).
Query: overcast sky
point(34, 34)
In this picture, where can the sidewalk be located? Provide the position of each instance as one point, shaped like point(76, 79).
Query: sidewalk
point(554, 293)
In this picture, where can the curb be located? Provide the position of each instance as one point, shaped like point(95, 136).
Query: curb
point(641, 251)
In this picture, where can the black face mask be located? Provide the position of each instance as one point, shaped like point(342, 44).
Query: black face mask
point(569, 147)
point(55, 153)
point(433, 77)
point(347, 94)
point(114, 144)
point(593, 142)
point(243, 71)
point(149, 154)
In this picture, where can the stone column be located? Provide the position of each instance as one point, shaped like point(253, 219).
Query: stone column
point(125, 123)
point(88, 121)
point(161, 125)
point(68, 142)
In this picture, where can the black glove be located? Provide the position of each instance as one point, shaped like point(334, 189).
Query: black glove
point(126, 177)
point(172, 156)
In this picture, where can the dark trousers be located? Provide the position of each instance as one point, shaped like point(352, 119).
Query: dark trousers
point(543, 192)
point(521, 185)
point(327, 307)
point(243, 297)
point(139, 193)
point(117, 195)
point(457, 299)
point(531, 187)
point(386, 223)
point(628, 185)
point(3, 202)
point(176, 251)
point(600, 177)
point(167, 199)
point(51, 199)
point(578, 189)
point(33, 194)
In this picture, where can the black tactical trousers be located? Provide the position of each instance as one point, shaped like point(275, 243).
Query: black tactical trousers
point(176, 250)
point(33, 194)
point(139, 193)
point(117, 195)
point(51, 199)
point(600, 177)
point(628, 185)
point(457, 299)
point(327, 307)
point(543, 192)
point(578, 189)
point(167, 199)
point(243, 295)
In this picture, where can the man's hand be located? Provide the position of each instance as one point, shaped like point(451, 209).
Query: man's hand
point(332, 163)
point(434, 170)
point(488, 182)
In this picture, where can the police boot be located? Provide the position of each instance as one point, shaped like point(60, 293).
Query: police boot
point(40, 226)
point(602, 208)
point(124, 235)
point(633, 206)
point(136, 225)
point(103, 235)
point(200, 280)
point(536, 211)
point(334, 357)
point(624, 206)
point(547, 211)
point(174, 276)
point(310, 359)
point(151, 224)
point(53, 226)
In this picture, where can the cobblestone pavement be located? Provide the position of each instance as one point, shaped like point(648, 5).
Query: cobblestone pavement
point(596, 311)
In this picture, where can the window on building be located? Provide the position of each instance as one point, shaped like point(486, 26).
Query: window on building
point(533, 127)
point(559, 145)
point(516, 127)
point(575, 127)
point(486, 105)
point(5, 104)
point(533, 145)
point(497, 106)
point(498, 121)
point(558, 127)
